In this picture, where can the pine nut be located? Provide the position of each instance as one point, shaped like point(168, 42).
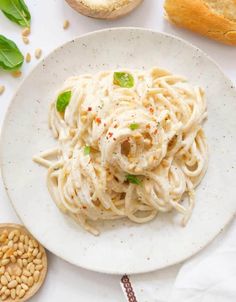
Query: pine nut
point(13, 277)
point(19, 262)
point(38, 53)
point(32, 269)
point(12, 284)
point(37, 261)
point(24, 256)
point(4, 280)
point(26, 31)
point(18, 289)
point(38, 267)
point(21, 293)
point(21, 247)
point(26, 273)
point(5, 261)
point(25, 262)
point(16, 73)
point(30, 281)
point(3, 238)
point(24, 286)
point(7, 276)
point(4, 288)
point(39, 256)
point(31, 243)
point(18, 271)
point(24, 279)
point(25, 39)
point(35, 243)
point(35, 252)
point(26, 247)
point(22, 238)
point(2, 270)
point(19, 253)
point(36, 276)
point(9, 270)
point(1, 254)
point(66, 24)
point(13, 259)
point(18, 279)
point(13, 293)
point(7, 292)
point(15, 239)
point(2, 89)
point(4, 248)
point(26, 240)
point(11, 235)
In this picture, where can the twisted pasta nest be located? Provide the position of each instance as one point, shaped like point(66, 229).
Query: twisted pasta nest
point(130, 144)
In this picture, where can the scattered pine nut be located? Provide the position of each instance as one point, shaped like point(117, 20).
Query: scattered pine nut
point(25, 39)
point(2, 89)
point(26, 31)
point(28, 57)
point(66, 24)
point(16, 73)
point(38, 53)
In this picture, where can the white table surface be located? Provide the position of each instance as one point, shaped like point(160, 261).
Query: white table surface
point(64, 281)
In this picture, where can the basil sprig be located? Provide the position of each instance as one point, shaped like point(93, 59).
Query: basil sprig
point(17, 11)
point(123, 79)
point(133, 179)
point(63, 101)
point(10, 56)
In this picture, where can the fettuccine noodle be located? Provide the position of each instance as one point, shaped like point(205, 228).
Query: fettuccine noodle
point(126, 150)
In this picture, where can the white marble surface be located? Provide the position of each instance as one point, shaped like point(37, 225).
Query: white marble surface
point(65, 281)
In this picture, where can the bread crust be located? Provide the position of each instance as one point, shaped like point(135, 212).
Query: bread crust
point(104, 13)
point(198, 17)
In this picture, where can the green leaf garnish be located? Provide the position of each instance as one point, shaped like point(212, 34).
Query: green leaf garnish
point(10, 56)
point(87, 150)
point(134, 126)
point(17, 11)
point(63, 101)
point(123, 79)
point(133, 179)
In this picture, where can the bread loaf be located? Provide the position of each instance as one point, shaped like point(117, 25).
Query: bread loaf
point(213, 18)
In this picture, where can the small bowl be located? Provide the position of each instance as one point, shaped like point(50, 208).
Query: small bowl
point(16, 267)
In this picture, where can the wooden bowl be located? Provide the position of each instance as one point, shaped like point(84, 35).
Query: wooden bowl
point(109, 11)
point(15, 266)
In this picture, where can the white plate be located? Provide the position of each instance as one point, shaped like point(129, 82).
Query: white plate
point(122, 247)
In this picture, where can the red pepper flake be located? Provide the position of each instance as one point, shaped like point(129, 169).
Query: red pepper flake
point(89, 108)
point(110, 134)
point(98, 120)
point(105, 124)
point(84, 207)
point(151, 109)
point(115, 126)
point(148, 126)
point(114, 139)
point(155, 132)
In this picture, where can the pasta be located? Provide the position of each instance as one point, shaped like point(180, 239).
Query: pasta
point(130, 144)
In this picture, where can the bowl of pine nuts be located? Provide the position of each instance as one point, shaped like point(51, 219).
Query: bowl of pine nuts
point(23, 263)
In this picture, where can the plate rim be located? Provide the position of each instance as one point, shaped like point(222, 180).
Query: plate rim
point(58, 254)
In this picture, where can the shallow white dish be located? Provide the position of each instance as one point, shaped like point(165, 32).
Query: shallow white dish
point(122, 247)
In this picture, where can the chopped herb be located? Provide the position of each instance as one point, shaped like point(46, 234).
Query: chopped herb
point(87, 150)
point(133, 179)
point(134, 126)
point(123, 79)
point(63, 101)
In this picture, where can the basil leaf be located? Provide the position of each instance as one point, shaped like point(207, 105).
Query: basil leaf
point(123, 79)
point(16, 11)
point(87, 150)
point(134, 126)
point(63, 101)
point(10, 56)
point(133, 179)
